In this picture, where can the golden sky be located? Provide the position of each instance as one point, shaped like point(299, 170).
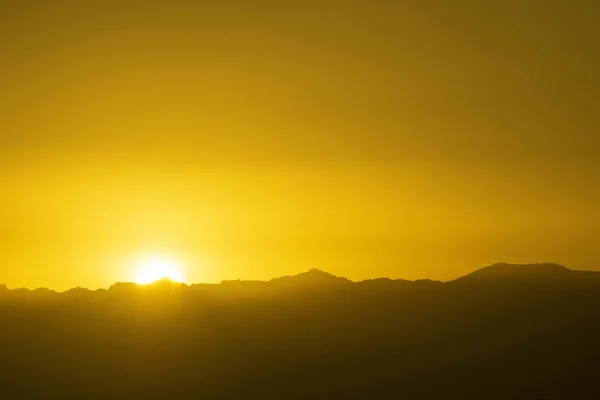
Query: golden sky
point(253, 139)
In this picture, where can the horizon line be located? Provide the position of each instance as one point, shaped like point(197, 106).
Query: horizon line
point(227, 281)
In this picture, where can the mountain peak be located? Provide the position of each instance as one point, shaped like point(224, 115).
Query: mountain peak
point(164, 282)
point(318, 272)
point(502, 271)
point(312, 276)
point(537, 267)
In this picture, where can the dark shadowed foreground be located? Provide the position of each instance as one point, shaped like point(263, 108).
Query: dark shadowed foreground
point(503, 332)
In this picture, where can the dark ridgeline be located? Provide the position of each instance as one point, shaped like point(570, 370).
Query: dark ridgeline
point(502, 332)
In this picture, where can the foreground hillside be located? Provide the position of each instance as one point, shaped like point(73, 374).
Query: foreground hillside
point(502, 332)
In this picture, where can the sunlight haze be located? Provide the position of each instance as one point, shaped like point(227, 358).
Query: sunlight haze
point(155, 268)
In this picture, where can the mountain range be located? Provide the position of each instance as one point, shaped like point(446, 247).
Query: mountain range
point(505, 331)
point(496, 273)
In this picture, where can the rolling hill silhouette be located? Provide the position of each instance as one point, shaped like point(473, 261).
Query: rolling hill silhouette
point(502, 332)
point(503, 271)
point(500, 273)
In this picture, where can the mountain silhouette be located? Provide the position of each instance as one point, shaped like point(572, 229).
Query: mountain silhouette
point(503, 271)
point(311, 277)
point(505, 331)
point(496, 273)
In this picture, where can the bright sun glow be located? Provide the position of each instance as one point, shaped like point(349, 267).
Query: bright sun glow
point(154, 269)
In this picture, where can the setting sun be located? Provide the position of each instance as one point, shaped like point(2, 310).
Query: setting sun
point(153, 269)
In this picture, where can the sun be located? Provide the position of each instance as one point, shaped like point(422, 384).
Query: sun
point(155, 268)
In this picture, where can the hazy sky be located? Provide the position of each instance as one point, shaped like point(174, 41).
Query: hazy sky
point(253, 139)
